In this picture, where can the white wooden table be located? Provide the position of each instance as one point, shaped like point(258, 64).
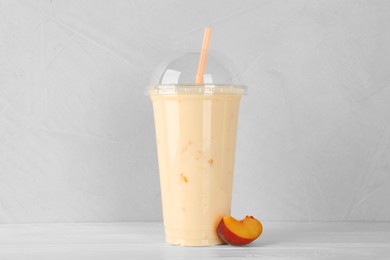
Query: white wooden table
point(145, 240)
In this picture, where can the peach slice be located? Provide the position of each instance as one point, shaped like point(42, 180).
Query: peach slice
point(239, 232)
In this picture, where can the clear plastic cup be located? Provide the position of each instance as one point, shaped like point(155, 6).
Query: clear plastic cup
point(196, 128)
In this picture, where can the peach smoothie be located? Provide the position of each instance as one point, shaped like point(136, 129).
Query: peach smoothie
point(196, 138)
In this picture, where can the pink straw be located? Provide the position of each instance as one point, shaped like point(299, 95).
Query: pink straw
point(203, 56)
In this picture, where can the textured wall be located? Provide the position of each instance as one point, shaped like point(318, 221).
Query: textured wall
point(76, 130)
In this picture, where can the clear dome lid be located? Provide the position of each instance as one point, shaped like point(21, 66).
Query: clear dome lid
point(178, 75)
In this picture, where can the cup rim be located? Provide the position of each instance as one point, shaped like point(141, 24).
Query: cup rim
point(201, 89)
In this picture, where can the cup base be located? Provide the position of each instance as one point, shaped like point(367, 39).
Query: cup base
point(192, 237)
point(193, 242)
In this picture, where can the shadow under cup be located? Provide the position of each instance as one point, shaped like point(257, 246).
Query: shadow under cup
point(196, 128)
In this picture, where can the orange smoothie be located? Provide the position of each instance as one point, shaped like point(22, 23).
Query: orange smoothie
point(196, 138)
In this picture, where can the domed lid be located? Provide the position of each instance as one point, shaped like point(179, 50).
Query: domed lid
point(177, 75)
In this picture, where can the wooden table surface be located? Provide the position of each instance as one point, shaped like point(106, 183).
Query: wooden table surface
point(136, 240)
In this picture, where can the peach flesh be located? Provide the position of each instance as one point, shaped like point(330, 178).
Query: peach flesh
point(239, 232)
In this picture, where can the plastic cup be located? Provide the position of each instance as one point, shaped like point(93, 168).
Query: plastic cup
point(196, 129)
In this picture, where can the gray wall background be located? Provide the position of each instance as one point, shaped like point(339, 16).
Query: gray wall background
point(76, 130)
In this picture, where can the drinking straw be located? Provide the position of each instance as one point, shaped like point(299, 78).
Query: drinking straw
point(203, 56)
